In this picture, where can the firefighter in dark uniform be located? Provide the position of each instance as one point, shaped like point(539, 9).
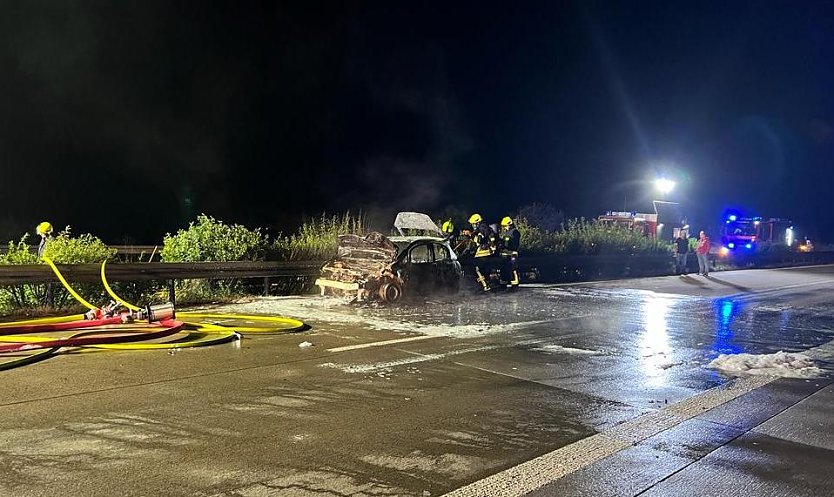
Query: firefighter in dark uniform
point(44, 229)
point(510, 241)
point(483, 244)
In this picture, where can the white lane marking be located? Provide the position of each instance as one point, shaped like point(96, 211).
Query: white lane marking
point(507, 327)
point(773, 291)
point(418, 357)
point(536, 473)
point(380, 344)
point(803, 267)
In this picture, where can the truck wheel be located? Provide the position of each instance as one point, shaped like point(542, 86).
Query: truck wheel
point(390, 292)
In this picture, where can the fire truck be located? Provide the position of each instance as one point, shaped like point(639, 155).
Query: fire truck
point(637, 221)
point(664, 224)
point(747, 233)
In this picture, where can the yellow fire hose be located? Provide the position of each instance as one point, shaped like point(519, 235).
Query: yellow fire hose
point(202, 328)
point(275, 323)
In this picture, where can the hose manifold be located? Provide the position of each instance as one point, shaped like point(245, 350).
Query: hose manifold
point(154, 313)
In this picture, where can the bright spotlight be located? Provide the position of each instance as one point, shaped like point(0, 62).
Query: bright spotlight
point(664, 185)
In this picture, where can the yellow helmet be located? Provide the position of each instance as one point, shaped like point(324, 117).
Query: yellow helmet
point(475, 219)
point(43, 229)
point(448, 227)
point(507, 221)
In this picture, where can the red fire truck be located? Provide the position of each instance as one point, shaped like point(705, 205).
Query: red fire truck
point(747, 233)
point(638, 221)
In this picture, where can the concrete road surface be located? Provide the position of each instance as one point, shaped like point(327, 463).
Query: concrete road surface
point(596, 389)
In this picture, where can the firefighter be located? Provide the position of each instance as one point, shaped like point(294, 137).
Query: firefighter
point(510, 241)
point(483, 239)
point(44, 229)
point(448, 228)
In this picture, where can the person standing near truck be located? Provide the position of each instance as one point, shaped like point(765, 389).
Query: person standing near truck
point(702, 252)
point(681, 252)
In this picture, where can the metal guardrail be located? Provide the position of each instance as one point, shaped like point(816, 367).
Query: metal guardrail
point(158, 271)
point(120, 249)
point(135, 271)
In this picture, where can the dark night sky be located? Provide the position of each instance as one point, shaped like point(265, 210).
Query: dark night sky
point(127, 119)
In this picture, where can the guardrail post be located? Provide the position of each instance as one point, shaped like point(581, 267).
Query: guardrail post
point(172, 297)
point(50, 296)
point(266, 286)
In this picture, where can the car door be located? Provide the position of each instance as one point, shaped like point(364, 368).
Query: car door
point(421, 273)
point(447, 268)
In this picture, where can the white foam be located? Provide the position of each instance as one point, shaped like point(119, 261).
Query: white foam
point(567, 350)
point(315, 310)
point(780, 364)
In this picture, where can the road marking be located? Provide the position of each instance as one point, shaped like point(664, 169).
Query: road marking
point(416, 358)
point(536, 473)
point(769, 292)
point(803, 267)
point(380, 344)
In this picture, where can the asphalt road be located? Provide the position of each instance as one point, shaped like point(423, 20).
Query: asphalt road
point(591, 389)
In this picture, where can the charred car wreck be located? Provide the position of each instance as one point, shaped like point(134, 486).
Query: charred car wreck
point(419, 261)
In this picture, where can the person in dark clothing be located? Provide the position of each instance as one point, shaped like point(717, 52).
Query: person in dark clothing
point(44, 229)
point(483, 243)
point(681, 251)
point(510, 242)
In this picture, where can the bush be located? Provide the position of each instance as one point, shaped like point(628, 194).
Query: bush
point(535, 240)
point(210, 240)
point(63, 249)
point(86, 248)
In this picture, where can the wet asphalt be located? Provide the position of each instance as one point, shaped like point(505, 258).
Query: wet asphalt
point(589, 389)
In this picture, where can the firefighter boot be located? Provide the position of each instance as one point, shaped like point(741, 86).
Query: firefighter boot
point(515, 281)
point(482, 280)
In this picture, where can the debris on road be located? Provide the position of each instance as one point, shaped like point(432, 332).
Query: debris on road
point(781, 364)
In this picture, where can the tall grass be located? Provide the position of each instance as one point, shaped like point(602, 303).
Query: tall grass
point(318, 238)
point(587, 237)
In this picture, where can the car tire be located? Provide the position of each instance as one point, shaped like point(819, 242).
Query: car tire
point(390, 292)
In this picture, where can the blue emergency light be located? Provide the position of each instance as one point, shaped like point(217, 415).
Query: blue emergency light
point(731, 245)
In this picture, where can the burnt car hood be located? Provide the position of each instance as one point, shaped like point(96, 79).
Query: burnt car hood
point(361, 258)
point(416, 223)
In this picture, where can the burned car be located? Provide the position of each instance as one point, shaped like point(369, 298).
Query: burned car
point(419, 261)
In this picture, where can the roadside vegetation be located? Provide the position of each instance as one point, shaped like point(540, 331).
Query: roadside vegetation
point(544, 230)
point(587, 237)
point(38, 299)
point(318, 239)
